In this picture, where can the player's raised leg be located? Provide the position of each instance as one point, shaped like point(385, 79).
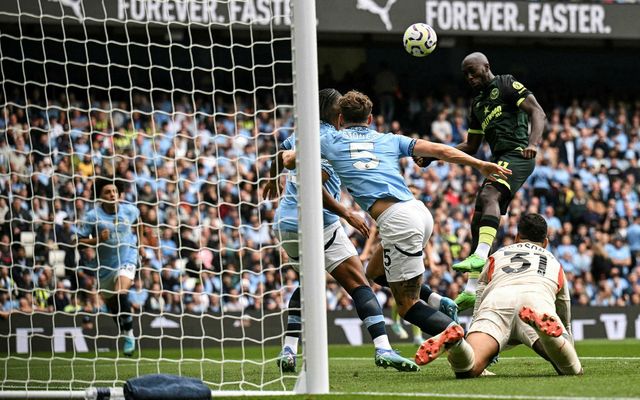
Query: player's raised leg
point(556, 342)
point(486, 221)
point(375, 272)
point(348, 272)
point(404, 229)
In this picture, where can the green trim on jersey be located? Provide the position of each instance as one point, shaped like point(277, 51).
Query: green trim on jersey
point(495, 113)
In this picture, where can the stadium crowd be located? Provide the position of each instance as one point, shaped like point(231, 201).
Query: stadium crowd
point(197, 180)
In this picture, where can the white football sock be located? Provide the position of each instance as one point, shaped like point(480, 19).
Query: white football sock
point(482, 250)
point(382, 342)
point(472, 283)
point(461, 356)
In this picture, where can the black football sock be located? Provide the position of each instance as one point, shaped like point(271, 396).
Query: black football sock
point(369, 310)
point(430, 321)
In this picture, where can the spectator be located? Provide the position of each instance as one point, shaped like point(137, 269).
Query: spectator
point(441, 129)
point(619, 253)
point(60, 299)
point(155, 303)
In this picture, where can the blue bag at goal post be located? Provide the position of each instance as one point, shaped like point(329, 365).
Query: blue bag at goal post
point(166, 387)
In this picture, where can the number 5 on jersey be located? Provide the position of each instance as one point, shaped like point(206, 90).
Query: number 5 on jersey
point(386, 259)
point(362, 150)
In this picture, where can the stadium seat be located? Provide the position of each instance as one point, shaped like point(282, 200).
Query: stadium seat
point(56, 260)
point(28, 241)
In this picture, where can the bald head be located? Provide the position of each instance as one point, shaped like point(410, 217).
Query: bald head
point(476, 70)
point(475, 58)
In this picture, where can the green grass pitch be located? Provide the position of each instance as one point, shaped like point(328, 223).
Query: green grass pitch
point(612, 370)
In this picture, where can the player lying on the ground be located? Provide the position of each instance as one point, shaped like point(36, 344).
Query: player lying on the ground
point(367, 162)
point(341, 258)
point(525, 300)
point(108, 228)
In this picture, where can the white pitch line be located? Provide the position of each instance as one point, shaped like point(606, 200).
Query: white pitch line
point(483, 396)
point(133, 363)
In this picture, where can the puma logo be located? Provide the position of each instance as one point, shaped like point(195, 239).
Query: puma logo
point(75, 5)
point(374, 8)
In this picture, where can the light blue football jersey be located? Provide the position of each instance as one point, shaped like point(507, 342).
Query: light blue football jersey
point(286, 218)
point(367, 163)
point(121, 247)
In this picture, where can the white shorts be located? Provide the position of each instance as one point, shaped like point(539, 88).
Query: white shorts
point(107, 282)
point(405, 229)
point(498, 314)
point(337, 246)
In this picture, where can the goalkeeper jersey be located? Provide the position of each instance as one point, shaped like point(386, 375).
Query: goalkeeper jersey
point(524, 264)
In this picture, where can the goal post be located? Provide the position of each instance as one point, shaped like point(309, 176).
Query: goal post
point(311, 255)
point(183, 103)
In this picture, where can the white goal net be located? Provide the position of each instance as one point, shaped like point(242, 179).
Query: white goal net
point(182, 103)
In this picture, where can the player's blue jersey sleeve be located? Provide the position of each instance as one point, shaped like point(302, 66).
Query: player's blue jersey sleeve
point(325, 145)
point(289, 143)
point(405, 145)
point(326, 167)
point(87, 225)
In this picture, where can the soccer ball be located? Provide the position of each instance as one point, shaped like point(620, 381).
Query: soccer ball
point(420, 40)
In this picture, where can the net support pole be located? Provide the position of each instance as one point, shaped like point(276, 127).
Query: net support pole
point(314, 332)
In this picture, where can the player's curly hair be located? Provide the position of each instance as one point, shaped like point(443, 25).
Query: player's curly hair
point(355, 107)
point(533, 227)
point(329, 104)
point(100, 182)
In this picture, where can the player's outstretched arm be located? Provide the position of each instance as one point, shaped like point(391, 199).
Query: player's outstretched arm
point(470, 146)
point(424, 148)
point(537, 117)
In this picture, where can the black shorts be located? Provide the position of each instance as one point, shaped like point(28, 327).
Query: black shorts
point(520, 168)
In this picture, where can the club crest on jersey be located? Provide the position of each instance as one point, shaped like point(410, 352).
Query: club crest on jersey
point(517, 85)
point(494, 94)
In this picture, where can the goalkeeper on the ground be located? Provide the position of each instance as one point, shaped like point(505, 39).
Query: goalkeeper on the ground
point(522, 299)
